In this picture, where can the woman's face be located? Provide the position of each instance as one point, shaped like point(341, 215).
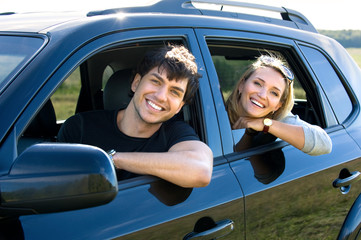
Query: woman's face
point(261, 93)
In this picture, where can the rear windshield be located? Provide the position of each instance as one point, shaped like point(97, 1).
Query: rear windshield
point(15, 52)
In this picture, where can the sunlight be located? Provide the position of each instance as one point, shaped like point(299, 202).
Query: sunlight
point(337, 17)
point(68, 5)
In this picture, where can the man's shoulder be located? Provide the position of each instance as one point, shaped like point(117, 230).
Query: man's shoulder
point(85, 124)
point(177, 127)
point(175, 122)
point(96, 113)
point(89, 117)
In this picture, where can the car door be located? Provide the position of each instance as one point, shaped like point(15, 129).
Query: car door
point(288, 194)
point(145, 207)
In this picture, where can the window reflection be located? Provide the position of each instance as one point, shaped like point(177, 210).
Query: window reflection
point(247, 141)
point(169, 193)
point(267, 166)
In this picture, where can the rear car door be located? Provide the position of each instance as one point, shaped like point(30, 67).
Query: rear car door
point(145, 207)
point(288, 194)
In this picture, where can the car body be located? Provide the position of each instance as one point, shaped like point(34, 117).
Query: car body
point(47, 194)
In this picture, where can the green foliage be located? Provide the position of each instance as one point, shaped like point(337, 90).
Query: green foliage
point(347, 38)
point(230, 71)
point(66, 96)
point(355, 54)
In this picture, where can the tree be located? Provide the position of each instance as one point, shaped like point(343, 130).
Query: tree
point(347, 38)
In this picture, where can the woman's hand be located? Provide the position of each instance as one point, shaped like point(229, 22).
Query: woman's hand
point(247, 122)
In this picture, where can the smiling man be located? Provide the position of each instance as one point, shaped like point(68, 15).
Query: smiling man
point(145, 137)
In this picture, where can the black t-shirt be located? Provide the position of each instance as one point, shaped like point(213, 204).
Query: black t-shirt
point(99, 128)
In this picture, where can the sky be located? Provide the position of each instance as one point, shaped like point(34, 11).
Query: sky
point(323, 14)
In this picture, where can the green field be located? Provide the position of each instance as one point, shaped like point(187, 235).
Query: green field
point(356, 54)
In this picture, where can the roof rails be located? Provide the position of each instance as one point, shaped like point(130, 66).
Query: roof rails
point(223, 8)
point(7, 13)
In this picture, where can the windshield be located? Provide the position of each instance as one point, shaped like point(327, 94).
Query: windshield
point(15, 52)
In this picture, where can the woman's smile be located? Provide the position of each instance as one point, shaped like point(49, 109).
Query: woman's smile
point(257, 103)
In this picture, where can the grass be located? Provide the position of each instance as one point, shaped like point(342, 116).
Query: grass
point(300, 209)
point(356, 54)
point(66, 96)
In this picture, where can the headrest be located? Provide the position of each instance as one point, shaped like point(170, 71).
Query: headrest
point(117, 91)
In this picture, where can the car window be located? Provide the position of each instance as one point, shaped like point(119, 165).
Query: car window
point(229, 71)
point(85, 89)
point(330, 82)
point(108, 72)
point(230, 63)
point(66, 96)
point(15, 52)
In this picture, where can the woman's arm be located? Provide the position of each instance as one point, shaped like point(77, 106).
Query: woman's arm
point(310, 139)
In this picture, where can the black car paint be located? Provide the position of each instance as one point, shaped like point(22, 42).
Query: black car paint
point(154, 209)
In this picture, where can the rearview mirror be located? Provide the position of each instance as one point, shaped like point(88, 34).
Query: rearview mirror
point(52, 177)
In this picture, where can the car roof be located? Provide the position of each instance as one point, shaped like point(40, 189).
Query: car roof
point(43, 21)
point(36, 22)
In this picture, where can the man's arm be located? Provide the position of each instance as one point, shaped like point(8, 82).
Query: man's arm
point(187, 163)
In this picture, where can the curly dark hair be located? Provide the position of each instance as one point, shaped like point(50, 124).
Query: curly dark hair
point(179, 64)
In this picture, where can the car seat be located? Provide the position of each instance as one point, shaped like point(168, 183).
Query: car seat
point(43, 128)
point(117, 91)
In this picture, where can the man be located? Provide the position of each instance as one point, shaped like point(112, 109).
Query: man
point(146, 137)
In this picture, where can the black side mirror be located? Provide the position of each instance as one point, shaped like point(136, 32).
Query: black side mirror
point(48, 178)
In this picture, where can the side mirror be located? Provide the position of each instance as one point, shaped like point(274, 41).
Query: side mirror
point(48, 178)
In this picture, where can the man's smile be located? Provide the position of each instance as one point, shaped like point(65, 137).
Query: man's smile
point(155, 106)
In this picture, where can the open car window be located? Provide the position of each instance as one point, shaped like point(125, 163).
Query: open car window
point(231, 61)
point(100, 82)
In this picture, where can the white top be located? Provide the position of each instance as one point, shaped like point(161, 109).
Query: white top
point(317, 141)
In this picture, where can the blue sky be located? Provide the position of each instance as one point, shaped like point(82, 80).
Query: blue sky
point(324, 14)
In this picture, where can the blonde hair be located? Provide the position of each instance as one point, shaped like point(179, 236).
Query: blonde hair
point(277, 63)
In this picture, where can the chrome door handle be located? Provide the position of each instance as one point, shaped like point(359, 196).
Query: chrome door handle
point(221, 229)
point(341, 182)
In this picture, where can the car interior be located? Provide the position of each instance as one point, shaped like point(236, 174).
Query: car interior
point(103, 82)
point(231, 61)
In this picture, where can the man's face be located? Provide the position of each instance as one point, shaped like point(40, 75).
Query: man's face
point(157, 98)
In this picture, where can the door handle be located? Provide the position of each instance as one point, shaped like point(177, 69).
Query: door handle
point(221, 229)
point(341, 182)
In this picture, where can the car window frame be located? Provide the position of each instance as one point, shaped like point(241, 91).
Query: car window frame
point(333, 119)
point(292, 54)
point(108, 42)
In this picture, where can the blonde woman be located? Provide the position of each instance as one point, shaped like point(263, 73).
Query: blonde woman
point(262, 101)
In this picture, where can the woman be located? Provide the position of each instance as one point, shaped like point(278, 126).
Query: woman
point(262, 101)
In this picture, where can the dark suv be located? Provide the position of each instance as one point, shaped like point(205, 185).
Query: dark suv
point(56, 64)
